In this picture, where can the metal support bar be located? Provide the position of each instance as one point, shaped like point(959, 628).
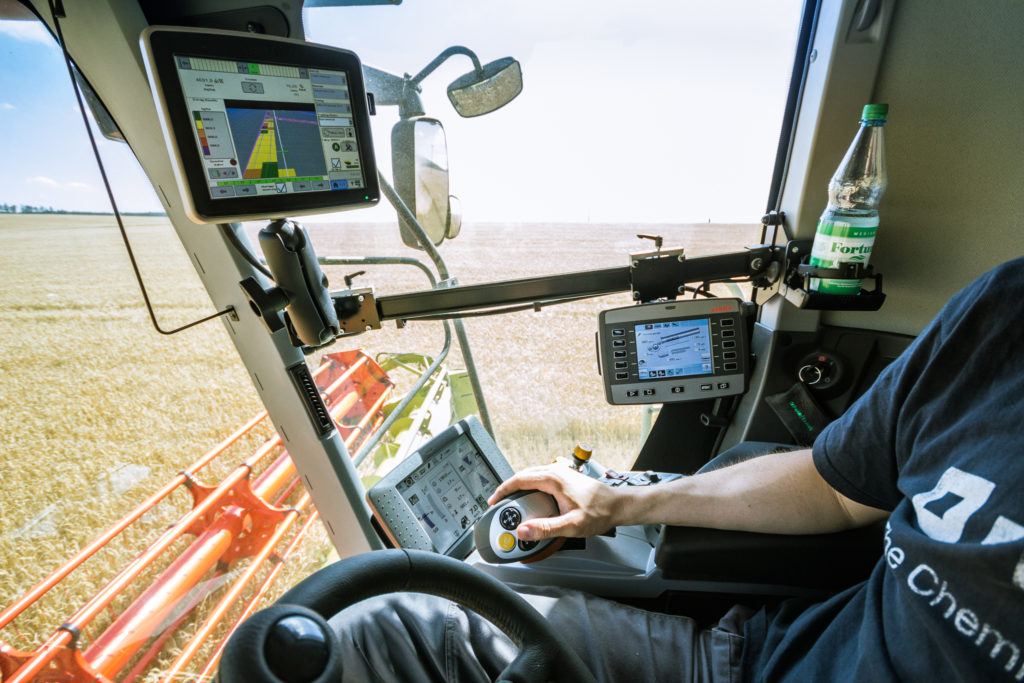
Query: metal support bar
point(378, 261)
point(442, 271)
point(649, 279)
point(474, 297)
point(660, 278)
point(398, 410)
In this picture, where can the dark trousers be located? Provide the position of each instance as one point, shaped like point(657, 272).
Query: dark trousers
point(412, 637)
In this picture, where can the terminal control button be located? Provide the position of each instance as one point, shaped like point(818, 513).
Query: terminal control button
point(620, 365)
point(507, 542)
point(621, 375)
point(648, 392)
point(618, 342)
point(632, 393)
point(728, 333)
point(509, 518)
point(620, 354)
point(618, 333)
point(729, 355)
point(729, 344)
point(706, 387)
point(723, 385)
point(731, 366)
point(677, 390)
point(726, 322)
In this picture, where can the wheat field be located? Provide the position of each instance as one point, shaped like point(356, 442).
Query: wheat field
point(98, 410)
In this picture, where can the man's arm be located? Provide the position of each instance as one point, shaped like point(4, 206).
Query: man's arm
point(775, 493)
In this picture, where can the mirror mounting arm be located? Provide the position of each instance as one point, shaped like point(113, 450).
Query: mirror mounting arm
point(404, 91)
point(440, 59)
point(391, 90)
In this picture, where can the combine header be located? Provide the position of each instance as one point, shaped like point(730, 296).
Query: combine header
point(193, 592)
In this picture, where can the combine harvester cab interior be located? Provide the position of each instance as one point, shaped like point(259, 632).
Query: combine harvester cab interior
point(258, 124)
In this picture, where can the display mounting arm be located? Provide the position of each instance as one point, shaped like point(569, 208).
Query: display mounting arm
point(649, 277)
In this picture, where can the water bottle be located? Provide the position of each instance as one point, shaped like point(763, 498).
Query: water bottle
point(582, 463)
point(846, 230)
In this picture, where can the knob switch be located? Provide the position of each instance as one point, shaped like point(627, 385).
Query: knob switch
point(821, 371)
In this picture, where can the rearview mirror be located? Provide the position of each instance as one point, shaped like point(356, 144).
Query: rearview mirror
point(484, 90)
point(419, 159)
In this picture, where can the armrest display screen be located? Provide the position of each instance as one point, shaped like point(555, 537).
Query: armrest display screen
point(268, 129)
point(449, 492)
point(432, 499)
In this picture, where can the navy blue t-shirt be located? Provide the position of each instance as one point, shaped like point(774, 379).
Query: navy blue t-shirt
point(939, 441)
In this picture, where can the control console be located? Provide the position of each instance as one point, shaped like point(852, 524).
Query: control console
point(673, 351)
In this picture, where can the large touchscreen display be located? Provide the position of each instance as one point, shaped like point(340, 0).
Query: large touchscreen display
point(270, 129)
point(449, 492)
point(674, 348)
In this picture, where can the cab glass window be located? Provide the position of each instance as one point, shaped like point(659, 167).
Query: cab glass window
point(635, 119)
point(99, 413)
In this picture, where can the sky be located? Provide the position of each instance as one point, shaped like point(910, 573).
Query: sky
point(643, 112)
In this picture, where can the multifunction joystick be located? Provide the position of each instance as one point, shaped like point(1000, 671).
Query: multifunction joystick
point(495, 533)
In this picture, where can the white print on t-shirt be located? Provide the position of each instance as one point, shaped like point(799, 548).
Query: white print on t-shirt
point(973, 492)
point(968, 494)
point(925, 582)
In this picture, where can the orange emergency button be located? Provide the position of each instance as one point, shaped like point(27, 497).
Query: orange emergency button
point(507, 542)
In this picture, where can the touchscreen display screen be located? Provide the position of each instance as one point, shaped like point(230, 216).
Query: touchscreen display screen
point(674, 348)
point(449, 492)
point(270, 129)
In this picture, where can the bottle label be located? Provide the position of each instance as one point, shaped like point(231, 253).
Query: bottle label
point(847, 239)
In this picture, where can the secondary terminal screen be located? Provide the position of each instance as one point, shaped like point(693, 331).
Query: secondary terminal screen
point(448, 493)
point(674, 348)
point(266, 129)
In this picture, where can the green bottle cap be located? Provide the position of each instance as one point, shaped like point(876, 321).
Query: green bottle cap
point(874, 112)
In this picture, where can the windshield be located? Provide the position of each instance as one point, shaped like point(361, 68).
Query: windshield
point(630, 112)
point(657, 119)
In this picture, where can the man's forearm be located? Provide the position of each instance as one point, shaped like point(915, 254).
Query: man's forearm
point(775, 493)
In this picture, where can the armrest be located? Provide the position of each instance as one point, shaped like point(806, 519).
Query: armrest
point(825, 561)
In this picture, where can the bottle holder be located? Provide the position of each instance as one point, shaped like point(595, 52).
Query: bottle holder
point(796, 285)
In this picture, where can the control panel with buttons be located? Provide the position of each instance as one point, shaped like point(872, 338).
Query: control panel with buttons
point(673, 351)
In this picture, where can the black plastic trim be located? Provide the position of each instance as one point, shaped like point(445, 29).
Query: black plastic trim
point(805, 39)
point(311, 399)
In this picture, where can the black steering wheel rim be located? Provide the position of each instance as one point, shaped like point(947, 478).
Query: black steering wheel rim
point(543, 653)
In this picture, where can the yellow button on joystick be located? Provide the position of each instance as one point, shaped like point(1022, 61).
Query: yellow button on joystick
point(507, 542)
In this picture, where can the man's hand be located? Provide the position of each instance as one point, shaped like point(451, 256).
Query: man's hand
point(587, 506)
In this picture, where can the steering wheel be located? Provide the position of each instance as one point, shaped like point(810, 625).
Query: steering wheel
point(290, 642)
